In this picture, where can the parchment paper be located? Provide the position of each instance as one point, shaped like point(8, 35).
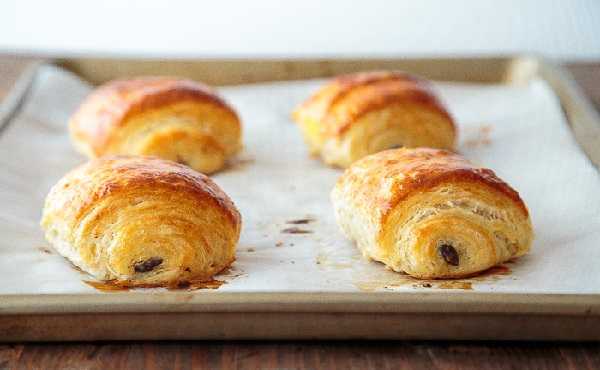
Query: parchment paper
point(518, 131)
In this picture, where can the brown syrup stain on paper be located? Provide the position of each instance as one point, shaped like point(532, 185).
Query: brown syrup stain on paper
point(301, 221)
point(232, 273)
point(239, 163)
point(45, 250)
point(298, 221)
point(401, 280)
point(106, 286)
point(229, 272)
point(295, 230)
point(120, 286)
point(323, 260)
point(78, 269)
point(195, 285)
point(481, 138)
point(449, 284)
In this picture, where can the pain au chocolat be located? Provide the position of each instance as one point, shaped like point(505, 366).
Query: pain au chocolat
point(142, 221)
point(430, 213)
point(360, 114)
point(180, 120)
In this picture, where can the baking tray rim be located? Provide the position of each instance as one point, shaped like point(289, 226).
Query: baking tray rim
point(350, 302)
point(358, 302)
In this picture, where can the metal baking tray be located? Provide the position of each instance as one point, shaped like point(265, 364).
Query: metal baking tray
point(318, 315)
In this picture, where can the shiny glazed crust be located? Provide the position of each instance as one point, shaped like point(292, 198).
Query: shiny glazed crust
point(180, 120)
point(142, 221)
point(360, 114)
point(431, 213)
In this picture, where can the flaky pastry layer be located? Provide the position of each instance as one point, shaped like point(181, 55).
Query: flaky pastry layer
point(142, 220)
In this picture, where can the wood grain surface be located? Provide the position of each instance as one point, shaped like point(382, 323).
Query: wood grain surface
point(304, 355)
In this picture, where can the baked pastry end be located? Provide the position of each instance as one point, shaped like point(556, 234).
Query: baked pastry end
point(431, 213)
point(142, 221)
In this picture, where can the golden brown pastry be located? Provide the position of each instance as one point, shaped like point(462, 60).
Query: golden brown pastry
point(430, 213)
point(142, 221)
point(180, 120)
point(364, 113)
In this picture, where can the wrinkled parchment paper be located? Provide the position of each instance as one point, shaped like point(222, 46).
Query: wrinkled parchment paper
point(518, 131)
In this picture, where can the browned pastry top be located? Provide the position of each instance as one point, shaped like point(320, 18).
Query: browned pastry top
point(114, 102)
point(123, 174)
point(402, 172)
point(337, 105)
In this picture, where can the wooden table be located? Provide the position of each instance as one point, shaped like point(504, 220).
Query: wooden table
point(305, 355)
point(309, 355)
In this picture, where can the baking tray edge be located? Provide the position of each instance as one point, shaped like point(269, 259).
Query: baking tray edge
point(345, 315)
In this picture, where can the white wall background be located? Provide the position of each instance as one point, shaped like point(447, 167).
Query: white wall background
point(567, 29)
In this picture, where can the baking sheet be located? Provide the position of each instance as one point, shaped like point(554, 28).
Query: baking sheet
point(519, 131)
